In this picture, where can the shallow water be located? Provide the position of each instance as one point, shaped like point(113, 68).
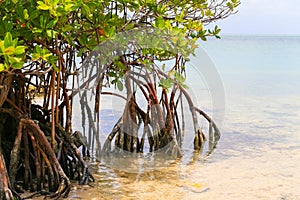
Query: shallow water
point(258, 156)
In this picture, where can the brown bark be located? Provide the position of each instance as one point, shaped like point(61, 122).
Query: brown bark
point(14, 156)
point(64, 186)
point(4, 180)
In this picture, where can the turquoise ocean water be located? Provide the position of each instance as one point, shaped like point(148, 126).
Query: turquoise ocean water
point(261, 78)
point(264, 65)
point(260, 145)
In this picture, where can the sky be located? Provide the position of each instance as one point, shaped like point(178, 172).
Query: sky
point(276, 17)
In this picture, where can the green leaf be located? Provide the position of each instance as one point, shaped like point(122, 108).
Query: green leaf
point(130, 26)
point(120, 85)
point(79, 54)
point(217, 30)
point(52, 59)
point(67, 28)
point(83, 39)
point(14, 60)
point(2, 67)
point(20, 11)
point(184, 86)
point(20, 50)
point(203, 38)
point(38, 49)
point(179, 77)
point(35, 56)
point(9, 50)
point(2, 48)
point(160, 22)
point(86, 9)
point(120, 66)
point(51, 33)
point(171, 73)
point(40, 53)
point(42, 6)
point(55, 68)
point(52, 23)
point(110, 31)
point(165, 83)
point(8, 40)
point(180, 17)
point(36, 30)
point(42, 22)
point(25, 12)
point(112, 74)
point(18, 65)
point(34, 14)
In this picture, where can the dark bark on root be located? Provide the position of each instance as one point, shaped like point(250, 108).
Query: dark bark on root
point(32, 154)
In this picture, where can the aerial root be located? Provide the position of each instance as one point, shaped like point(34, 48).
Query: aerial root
point(86, 176)
point(4, 181)
point(32, 152)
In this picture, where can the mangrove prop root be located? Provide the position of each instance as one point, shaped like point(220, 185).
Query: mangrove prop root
point(125, 132)
point(63, 190)
point(26, 161)
point(31, 153)
point(86, 176)
point(14, 156)
point(65, 184)
point(162, 123)
point(4, 181)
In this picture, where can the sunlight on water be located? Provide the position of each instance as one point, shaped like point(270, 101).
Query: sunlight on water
point(259, 151)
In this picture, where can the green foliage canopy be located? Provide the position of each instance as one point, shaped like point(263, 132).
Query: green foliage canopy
point(46, 30)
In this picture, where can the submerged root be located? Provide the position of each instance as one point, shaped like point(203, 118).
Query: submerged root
point(161, 124)
point(199, 140)
point(126, 138)
point(62, 191)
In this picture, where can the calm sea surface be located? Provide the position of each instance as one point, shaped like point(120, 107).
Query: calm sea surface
point(258, 156)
